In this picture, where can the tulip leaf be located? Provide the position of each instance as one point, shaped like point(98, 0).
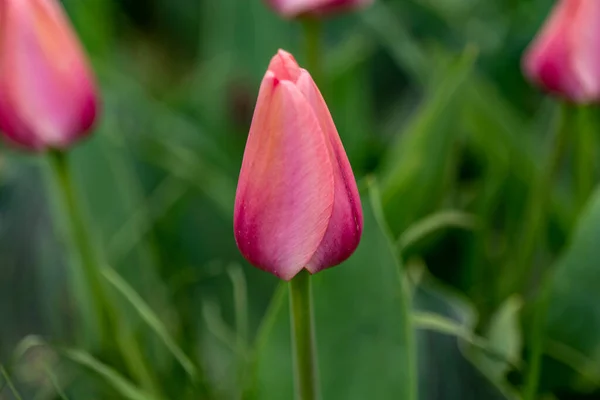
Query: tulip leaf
point(574, 317)
point(504, 337)
point(446, 322)
point(499, 350)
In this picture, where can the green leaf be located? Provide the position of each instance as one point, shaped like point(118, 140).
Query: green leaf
point(440, 324)
point(446, 321)
point(504, 337)
point(574, 316)
point(503, 344)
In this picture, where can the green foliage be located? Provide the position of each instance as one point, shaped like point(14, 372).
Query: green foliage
point(430, 102)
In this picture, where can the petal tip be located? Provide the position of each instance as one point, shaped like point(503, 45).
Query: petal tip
point(284, 66)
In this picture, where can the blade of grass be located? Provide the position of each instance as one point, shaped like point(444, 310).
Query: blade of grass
point(439, 323)
point(148, 316)
point(434, 223)
point(9, 383)
point(240, 299)
point(405, 51)
point(132, 232)
point(55, 384)
point(200, 174)
point(578, 362)
point(262, 336)
point(218, 327)
point(121, 385)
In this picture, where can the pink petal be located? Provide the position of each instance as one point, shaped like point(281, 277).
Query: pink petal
point(286, 187)
point(586, 48)
point(548, 60)
point(48, 94)
point(295, 8)
point(346, 223)
point(284, 66)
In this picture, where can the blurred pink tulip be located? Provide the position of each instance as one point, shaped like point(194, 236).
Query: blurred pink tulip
point(295, 8)
point(47, 92)
point(297, 205)
point(565, 56)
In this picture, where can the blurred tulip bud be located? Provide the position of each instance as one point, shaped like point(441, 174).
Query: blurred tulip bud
point(297, 204)
point(565, 56)
point(47, 92)
point(295, 8)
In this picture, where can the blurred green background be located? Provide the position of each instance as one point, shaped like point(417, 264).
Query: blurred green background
point(448, 143)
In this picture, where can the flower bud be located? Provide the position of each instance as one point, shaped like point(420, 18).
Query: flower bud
point(297, 204)
point(295, 8)
point(565, 56)
point(47, 92)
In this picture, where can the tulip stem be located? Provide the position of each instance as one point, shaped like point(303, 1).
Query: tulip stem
point(80, 244)
point(538, 336)
point(301, 307)
point(116, 343)
point(303, 337)
point(538, 202)
point(312, 37)
point(584, 156)
point(537, 209)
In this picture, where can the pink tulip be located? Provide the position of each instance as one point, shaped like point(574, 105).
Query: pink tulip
point(565, 56)
point(297, 205)
point(47, 92)
point(295, 8)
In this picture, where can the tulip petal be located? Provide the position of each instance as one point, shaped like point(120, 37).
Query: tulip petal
point(346, 223)
point(45, 81)
point(586, 48)
point(294, 8)
point(560, 59)
point(13, 127)
point(284, 66)
point(547, 61)
point(285, 193)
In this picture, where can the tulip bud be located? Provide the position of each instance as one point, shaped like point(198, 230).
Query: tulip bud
point(297, 205)
point(47, 92)
point(565, 56)
point(295, 8)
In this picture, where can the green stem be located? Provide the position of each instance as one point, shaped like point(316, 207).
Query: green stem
point(80, 245)
point(412, 390)
point(538, 204)
point(303, 337)
point(117, 342)
point(301, 308)
point(537, 339)
point(312, 35)
point(534, 225)
point(584, 156)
